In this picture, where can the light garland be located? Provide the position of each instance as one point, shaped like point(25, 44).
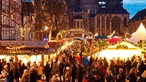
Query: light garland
point(74, 31)
point(14, 47)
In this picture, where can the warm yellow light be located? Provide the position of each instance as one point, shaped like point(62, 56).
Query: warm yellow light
point(63, 47)
point(3, 56)
point(25, 61)
point(14, 47)
point(53, 56)
point(58, 62)
point(46, 28)
point(8, 58)
point(32, 58)
point(122, 54)
point(123, 43)
point(39, 58)
point(66, 45)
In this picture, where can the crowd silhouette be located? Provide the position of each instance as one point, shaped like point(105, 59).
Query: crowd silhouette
point(71, 66)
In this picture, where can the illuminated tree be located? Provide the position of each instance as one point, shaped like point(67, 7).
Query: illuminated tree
point(51, 13)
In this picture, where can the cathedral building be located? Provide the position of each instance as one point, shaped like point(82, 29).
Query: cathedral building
point(98, 16)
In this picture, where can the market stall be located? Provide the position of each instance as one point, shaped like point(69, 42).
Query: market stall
point(122, 50)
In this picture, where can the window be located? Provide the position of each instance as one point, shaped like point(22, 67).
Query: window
point(8, 33)
point(78, 24)
point(102, 2)
point(103, 6)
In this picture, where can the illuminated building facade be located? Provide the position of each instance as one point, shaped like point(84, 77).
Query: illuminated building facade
point(17, 24)
point(99, 16)
point(15, 17)
point(17, 31)
point(10, 19)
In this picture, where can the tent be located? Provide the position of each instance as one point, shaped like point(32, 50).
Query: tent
point(140, 34)
point(113, 51)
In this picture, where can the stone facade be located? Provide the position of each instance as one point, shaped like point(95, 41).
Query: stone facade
point(107, 23)
point(99, 16)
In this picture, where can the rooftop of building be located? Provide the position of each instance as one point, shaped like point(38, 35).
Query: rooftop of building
point(112, 10)
point(140, 15)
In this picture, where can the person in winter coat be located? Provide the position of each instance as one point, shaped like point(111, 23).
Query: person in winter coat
point(33, 74)
point(4, 71)
point(22, 68)
point(121, 77)
point(25, 76)
point(67, 75)
point(73, 73)
point(47, 71)
point(40, 70)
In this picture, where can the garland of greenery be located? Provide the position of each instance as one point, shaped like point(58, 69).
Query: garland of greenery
point(74, 30)
point(121, 46)
point(100, 43)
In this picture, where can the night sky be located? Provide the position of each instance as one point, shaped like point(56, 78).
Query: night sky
point(133, 6)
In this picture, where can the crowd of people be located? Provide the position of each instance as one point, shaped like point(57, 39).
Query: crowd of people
point(69, 66)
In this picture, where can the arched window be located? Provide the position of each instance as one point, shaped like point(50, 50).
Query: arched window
point(116, 22)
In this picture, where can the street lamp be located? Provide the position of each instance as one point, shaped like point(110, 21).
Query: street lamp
point(46, 28)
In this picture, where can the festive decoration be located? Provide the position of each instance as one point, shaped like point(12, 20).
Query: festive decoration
point(141, 43)
point(71, 33)
point(119, 46)
point(100, 43)
point(121, 50)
